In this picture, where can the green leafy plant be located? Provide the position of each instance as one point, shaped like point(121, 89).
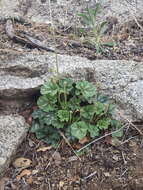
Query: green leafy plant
point(75, 108)
point(89, 18)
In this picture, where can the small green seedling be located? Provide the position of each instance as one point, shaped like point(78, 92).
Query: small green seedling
point(73, 108)
point(89, 18)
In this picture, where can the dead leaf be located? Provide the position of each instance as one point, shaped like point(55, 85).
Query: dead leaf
point(76, 146)
point(29, 120)
point(108, 140)
point(2, 183)
point(43, 149)
point(30, 180)
point(23, 173)
point(74, 178)
point(22, 163)
point(57, 158)
point(115, 141)
point(84, 140)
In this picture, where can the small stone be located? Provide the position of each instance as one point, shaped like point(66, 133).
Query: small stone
point(2, 161)
point(13, 129)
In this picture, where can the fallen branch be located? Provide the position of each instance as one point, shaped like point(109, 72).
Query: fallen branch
point(18, 19)
point(131, 124)
point(66, 140)
point(24, 38)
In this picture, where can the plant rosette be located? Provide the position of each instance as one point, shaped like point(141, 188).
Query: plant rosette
point(74, 108)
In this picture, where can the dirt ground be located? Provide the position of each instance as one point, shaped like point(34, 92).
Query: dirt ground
point(128, 40)
point(105, 165)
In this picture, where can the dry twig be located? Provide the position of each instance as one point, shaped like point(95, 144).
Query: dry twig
point(131, 124)
point(24, 38)
point(100, 138)
point(66, 140)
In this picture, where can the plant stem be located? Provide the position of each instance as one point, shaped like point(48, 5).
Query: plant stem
point(59, 99)
point(54, 38)
point(65, 94)
point(70, 119)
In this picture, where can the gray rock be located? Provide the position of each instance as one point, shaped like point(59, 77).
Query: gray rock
point(8, 9)
point(65, 11)
point(13, 129)
point(121, 80)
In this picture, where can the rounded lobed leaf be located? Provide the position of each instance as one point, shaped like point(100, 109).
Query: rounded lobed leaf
point(93, 130)
point(47, 103)
point(117, 125)
point(79, 129)
point(49, 87)
point(86, 89)
point(103, 123)
point(87, 111)
point(66, 84)
point(99, 108)
point(74, 103)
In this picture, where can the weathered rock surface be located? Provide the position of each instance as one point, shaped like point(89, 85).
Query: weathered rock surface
point(121, 80)
point(13, 129)
point(65, 11)
point(8, 8)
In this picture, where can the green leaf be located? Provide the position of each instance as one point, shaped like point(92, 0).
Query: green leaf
point(40, 135)
point(86, 89)
point(38, 114)
point(79, 129)
point(102, 99)
point(35, 126)
point(81, 30)
point(115, 126)
point(57, 124)
point(66, 83)
point(87, 111)
point(96, 10)
point(118, 133)
point(99, 108)
point(74, 103)
point(101, 27)
point(109, 44)
point(48, 119)
point(111, 108)
point(68, 134)
point(93, 130)
point(64, 115)
point(91, 14)
point(53, 139)
point(49, 87)
point(46, 103)
point(103, 123)
point(115, 123)
point(52, 136)
point(85, 18)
